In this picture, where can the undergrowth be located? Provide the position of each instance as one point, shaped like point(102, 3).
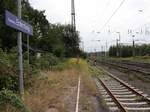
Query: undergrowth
point(9, 99)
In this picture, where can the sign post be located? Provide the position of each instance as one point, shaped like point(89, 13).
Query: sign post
point(21, 26)
point(18, 24)
point(21, 83)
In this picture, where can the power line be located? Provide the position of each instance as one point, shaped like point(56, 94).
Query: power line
point(112, 15)
point(106, 5)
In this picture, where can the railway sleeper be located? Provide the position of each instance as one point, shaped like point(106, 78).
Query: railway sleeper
point(121, 96)
point(143, 109)
point(114, 109)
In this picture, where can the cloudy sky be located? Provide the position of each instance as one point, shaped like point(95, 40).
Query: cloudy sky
point(92, 16)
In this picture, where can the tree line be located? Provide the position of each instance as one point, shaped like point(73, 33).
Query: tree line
point(128, 51)
point(61, 40)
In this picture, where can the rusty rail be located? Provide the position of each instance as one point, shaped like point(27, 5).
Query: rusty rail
point(122, 109)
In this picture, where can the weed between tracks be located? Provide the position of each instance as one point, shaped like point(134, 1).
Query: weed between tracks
point(98, 72)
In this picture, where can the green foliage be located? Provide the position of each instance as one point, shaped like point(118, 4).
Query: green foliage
point(112, 51)
point(61, 66)
point(61, 40)
point(9, 98)
point(83, 55)
point(46, 61)
point(8, 77)
point(7, 35)
point(127, 51)
point(54, 41)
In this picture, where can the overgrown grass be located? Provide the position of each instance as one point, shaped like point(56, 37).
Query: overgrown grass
point(86, 103)
point(96, 72)
point(10, 102)
point(56, 88)
point(48, 85)
point(66, 64)
point(48, 89)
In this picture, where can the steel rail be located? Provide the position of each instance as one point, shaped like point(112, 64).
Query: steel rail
point(123, 83)
point(121, 106)
point(125, 67)
point(122, 109)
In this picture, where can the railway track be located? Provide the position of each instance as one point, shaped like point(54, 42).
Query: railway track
point(120, 96)
point(129, 66)
point(137, 64)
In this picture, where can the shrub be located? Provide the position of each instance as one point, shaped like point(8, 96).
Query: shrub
point(46, 61)
point(7, 97)
point(8, 76)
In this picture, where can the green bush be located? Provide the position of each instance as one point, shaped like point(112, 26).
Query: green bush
point(8, 76)
point(46, 61)
point(7, 97)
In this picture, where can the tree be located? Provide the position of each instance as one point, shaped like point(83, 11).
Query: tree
point(7, 35)
point(58, 39)
point(71, 41)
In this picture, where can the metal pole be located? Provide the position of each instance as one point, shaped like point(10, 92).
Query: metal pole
point(102, 52)
point(20, 63)
point(73, 20)
point(28, 51)
point(28, 54)
point(119, 45)
point(106, 49)
point(117, 49)
point(120, 52)
point(133, 48)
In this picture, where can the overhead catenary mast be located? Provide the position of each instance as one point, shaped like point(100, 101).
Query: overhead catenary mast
point(73, 20)
point(73, 25)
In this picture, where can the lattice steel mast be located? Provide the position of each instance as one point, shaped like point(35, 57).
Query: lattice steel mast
point(73, 20)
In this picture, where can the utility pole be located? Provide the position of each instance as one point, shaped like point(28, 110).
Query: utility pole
point(119, 45)
point(82, 45)
point(102, 50)
point(73, 25)
point(20, 63)
point(117, 48)
point(73, 20)
point(28, 51)
point(133, 47)
point(106, 49)
point(95, 53)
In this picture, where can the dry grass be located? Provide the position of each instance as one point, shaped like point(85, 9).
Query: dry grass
point(86, 105)
point(49, 89)
point(88, 89)
point(58, 89)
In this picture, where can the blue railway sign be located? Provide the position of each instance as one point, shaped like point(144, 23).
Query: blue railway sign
point(18, 24)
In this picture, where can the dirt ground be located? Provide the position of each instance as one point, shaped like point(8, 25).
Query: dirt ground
point(139, 81)
point(56, 91)
point(90, 102)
